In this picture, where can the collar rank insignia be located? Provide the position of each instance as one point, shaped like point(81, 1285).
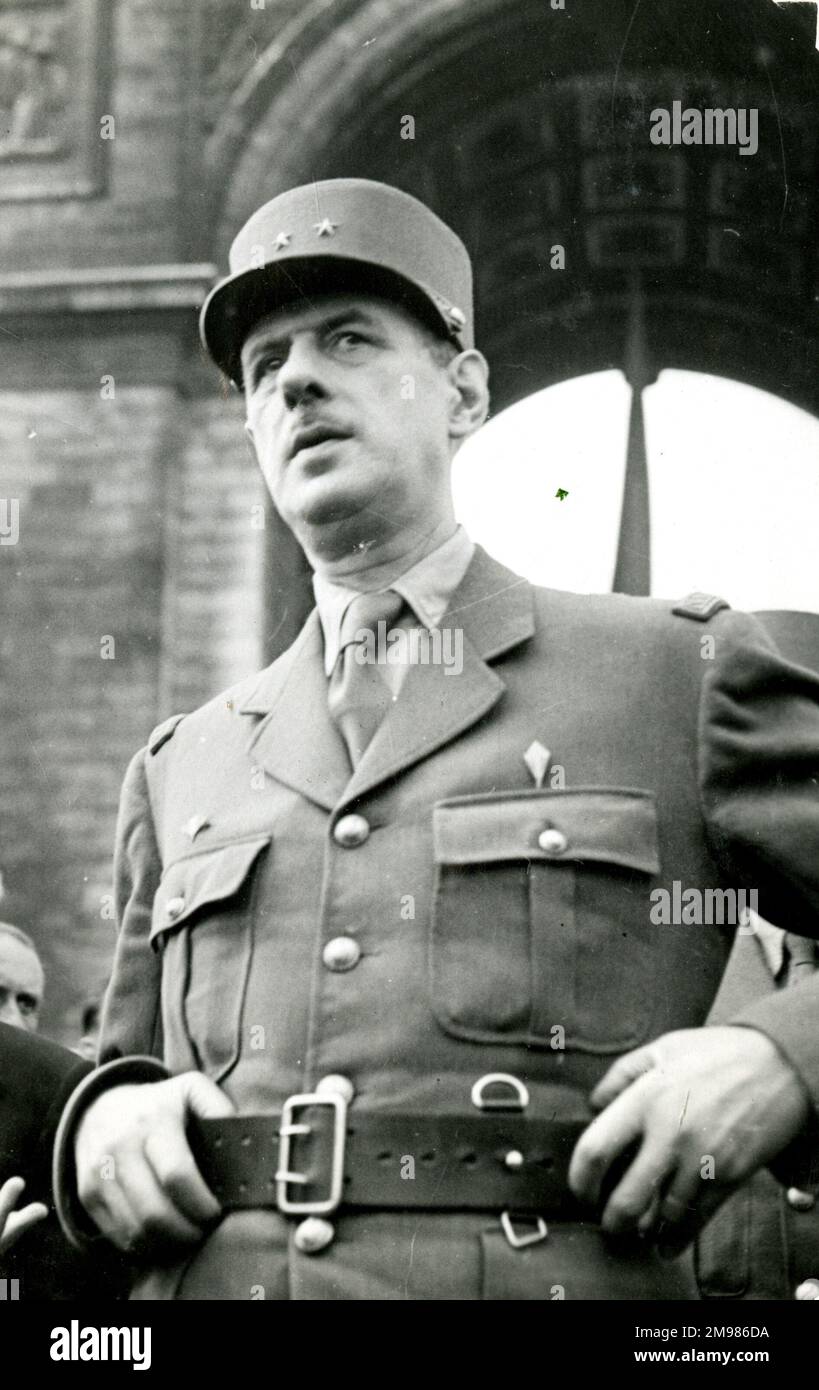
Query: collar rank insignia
point(194, 825)
point(537, 759)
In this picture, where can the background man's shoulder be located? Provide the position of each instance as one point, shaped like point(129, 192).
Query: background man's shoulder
point(36, 1075)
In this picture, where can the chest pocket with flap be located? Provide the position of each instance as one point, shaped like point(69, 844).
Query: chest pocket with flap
point(541, 917)
point(203, 922)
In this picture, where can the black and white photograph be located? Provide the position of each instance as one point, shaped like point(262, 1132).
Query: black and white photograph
point(409, 662)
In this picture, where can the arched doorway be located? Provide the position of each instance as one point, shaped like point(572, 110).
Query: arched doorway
point(732, 479)
point(526, 127)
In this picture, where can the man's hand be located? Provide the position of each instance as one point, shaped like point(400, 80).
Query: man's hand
point(703, 1108)
point(13, 1223)
point(136, 1175)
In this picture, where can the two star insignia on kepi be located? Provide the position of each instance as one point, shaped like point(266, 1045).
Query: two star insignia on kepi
point(323, 228)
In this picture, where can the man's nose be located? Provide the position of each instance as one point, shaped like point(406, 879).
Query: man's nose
point(302, 376)
point(10, 1013)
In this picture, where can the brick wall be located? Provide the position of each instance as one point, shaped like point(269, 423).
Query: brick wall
point(134, 590)
point(135, 587)
point(214, 555)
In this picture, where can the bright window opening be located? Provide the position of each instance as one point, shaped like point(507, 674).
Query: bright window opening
point(733, 478)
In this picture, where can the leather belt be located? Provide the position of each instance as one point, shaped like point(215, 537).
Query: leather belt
point(315, 1157)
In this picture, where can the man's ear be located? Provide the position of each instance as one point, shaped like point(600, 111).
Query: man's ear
point(250, 441)
point(469, 377)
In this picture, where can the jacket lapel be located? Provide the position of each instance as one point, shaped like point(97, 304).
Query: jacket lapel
point(747, 977)
point(492, 610)
point(297, 742)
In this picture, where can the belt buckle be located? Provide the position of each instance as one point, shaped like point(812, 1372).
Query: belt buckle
point(288, 1128)
point(519, 1099)
point(519, 1242)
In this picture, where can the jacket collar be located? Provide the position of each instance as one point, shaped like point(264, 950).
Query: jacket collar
point(297, 742)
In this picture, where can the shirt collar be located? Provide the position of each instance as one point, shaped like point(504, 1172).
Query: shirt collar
point(427, 587)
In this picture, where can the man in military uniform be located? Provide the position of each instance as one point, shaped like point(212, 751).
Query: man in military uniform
point(352, 892)
point(764, 1240)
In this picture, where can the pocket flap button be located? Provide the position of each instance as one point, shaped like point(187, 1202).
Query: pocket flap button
point(799, 1200)
point(173, 907)
point(552, 841)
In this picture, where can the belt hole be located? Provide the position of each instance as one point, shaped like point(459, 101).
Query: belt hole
point(428, 1158)
point(546, 1162)
point(469, 1158)
point(384, 1156)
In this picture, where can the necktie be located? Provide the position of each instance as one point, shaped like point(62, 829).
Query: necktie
point(359, 693)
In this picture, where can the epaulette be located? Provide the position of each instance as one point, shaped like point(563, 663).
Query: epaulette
point(701, 607)
point(163, 732)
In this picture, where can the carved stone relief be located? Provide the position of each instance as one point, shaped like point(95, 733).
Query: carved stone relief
point(54, 60)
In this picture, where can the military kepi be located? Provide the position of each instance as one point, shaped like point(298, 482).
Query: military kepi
point(333, 237)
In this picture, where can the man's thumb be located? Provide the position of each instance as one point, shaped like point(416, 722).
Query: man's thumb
point(621, 1074)
point(203, 1097)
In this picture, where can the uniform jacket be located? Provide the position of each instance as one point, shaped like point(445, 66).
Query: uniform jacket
point(480, 950)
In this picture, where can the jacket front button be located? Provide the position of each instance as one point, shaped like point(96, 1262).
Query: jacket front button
point(351, 831)
point(552, 841)
point(799, 1200)
point(342, 953)
point(312, 1235)
point(173, 907)
point(808, 1292)
point(336, 1085)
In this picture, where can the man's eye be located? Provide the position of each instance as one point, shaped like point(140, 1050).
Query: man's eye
point(271, 363)
point(348, 338)
point(27, 1004)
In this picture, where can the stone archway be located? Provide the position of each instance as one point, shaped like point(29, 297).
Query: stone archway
point(531, 130)
point(531, 138)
